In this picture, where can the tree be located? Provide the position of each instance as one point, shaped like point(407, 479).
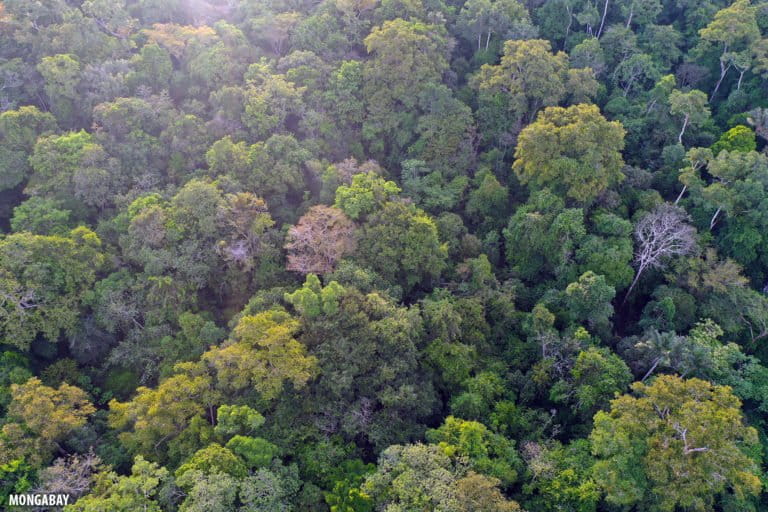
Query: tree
point(598, 374)
point(19, 129)
point(152, 67)
point(417, 476)
point(661, 234)
point(364, 194)
point(667, 350)
point(41, 216)
point(758, 118)
point(401, 243)
point(312, 299)
point(692, 106)
point(269, 100)
point(574, 150)
point(725, 197)
point(735, 29)
point(371, 384)
point(530, 77)
point(237, 419)
point(176, 240)
point(480, 19)
point(214, 458)
point(138, 491)
point(254, 451)
point(72, 475)
point(739, 138)
point(406, 57)
point(61, 74)
point(262, 354)
point(156, 416)
point(320, 239)
point(130, 130)
point(208, 492)
point(248, 221)
point(562, 477)
point(431, 189)
point(446, 133)
point(589, 299)
point(73, 167)
point(677, 443)
point(277, 171)
point(642, 12)
point(276, 29)
point(43, 280)
point(41, 417)
point(488, 453)
point(635, 72)
point(541, 236)
point(111, 17)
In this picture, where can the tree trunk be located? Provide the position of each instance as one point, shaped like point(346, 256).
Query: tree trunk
point(651, 370)
point(714, 218)
point(679, 197)
point(568, 28)
point(741, 76)
point(487, 40)
point(631, 13)
point(723, 70)
point(479, 38)
point(685, 125)
point(602, 21)
point(632, 286)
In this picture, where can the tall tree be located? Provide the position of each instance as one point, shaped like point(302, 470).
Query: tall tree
point(734, 29)
point(43, 280)
point(574, 150)
point(322, 236)
point(692, 106)
point(406, 57)
point(677, 443)
point(661, 234)
point(40, 417)
point(19, 130)
point(529, 77)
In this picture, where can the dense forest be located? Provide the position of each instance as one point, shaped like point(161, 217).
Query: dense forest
point(384, 255)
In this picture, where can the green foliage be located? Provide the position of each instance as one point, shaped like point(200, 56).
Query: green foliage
point(739, 138)
point(43, 280)
point(589, 300)
point(19, 129)
point(370, 376)
point(214, 458)
point(598, 374)
point(432, 481)
point(346, 495)
point(313, 299)
point(562, 477)
point(41, 416)
point(237, 419)
point(531, 77)
point(263, 355)
point(488, 453)
point(366, 194)
point(139, 490)
point(574, 150)
point(61, 74)
point(659, 449)
point(16, 477)
point(401, 243)
point(255, 451)
point(42, 217)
